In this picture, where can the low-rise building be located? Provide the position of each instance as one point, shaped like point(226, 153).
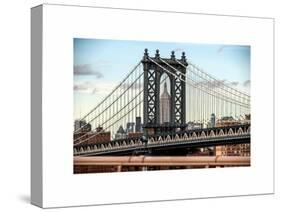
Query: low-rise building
point(237, 149)
point(93, 137)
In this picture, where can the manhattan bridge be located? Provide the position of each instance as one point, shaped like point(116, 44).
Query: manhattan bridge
point(195, 97)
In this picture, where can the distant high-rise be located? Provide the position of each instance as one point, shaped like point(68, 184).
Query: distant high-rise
point(213, 120)
point(120, 133)
point(130, 127)
point(138, 124)
point(165, 104)
point(82, 125)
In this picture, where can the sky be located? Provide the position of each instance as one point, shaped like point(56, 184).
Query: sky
point(99, 65)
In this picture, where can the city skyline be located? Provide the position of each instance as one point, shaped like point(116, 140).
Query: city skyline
point(99, 65)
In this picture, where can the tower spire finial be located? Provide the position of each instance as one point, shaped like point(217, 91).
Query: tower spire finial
point(157, 55)
point(183, 57)
point(145, 55)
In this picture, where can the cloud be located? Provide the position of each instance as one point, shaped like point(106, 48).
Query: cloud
point(220, 49)
point(178, 50)
point(233, 83)
point(247, 83)
point(216, 83)
point(87, 87)
point(86, 69)
point(211, 84)
point(136, 86)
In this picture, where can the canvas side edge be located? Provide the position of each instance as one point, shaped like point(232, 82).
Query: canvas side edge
point(36, 106)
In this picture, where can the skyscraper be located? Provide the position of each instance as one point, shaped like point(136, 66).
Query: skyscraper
point(120, 133)
point(82, 125)
point(130, 127)
point(165, 104)
point(213, 120)
point(138, 124)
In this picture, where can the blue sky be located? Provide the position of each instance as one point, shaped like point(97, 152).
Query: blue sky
point(101, 64)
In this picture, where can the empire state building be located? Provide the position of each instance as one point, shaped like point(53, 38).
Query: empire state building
point(165, 104)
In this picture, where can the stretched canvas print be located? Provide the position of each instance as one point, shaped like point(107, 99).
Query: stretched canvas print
point(128, 111)
point(139, 110)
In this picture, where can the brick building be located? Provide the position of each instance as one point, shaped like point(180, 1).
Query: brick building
point(232, 150)
point(93, 137)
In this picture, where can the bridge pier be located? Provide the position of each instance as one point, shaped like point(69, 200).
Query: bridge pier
point(144, 168)
point(119, 168)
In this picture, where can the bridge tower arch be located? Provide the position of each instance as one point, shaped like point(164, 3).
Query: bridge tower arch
point(153, 68)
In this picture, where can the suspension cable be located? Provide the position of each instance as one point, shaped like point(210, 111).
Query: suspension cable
point(187, 77)
point(106, 97)
point(210, 76)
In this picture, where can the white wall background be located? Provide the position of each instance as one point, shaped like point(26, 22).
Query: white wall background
point(15, 103)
